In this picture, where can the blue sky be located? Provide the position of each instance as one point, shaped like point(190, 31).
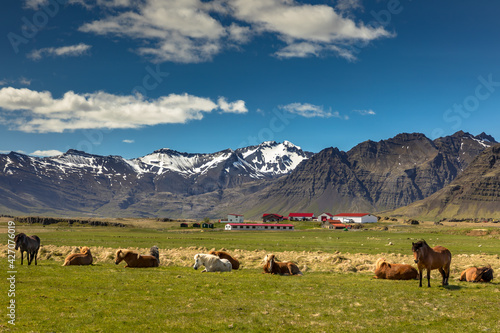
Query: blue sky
point(121, 77)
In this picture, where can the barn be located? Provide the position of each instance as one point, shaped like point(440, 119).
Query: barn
point(356, 218)
point(324, 216)
point(301, 216)
point(272, 218)
point(258, 226)
point(334, 224)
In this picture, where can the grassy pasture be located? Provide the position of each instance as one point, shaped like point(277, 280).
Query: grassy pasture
point(109, 298)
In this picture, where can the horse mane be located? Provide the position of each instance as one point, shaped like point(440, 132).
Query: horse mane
point(379, 262)
point(21, 234)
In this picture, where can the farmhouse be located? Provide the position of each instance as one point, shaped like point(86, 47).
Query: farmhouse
point(272, 218)
point(300, 216)
point(324, 216)
point(233, 218)
point(356, 218)
point(258, 226)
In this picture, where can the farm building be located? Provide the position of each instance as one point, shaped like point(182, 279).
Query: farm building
point(258, 226)
point(207, 225)
point(301, 216)
point(356, 218)
point(233, 218)
point(334, 224)
point(272, 218)
point(184, 225)
point(196, 225)
point(324, 216)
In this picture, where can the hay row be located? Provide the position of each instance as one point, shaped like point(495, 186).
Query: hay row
point(307, 261)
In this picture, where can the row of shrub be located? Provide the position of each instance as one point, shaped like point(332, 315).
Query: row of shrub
point(52, 220)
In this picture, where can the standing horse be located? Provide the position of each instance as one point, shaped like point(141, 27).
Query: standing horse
point(30, 244)
point(431, 258)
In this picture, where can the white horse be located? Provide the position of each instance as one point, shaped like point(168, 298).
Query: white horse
point(212, 263)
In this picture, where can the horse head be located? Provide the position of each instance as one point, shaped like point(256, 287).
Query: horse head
point(197, 261)
point(269, 260)
point(119, 257)
point(19, 240)
point(85, 250)
point(417, 249)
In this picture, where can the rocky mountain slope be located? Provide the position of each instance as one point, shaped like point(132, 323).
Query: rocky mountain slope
point(475, 193)
point(270, 177)
point(374, 176)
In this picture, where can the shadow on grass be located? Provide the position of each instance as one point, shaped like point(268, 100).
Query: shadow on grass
point(451, 287)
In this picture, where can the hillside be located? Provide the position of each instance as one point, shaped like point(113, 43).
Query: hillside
point(475, 193)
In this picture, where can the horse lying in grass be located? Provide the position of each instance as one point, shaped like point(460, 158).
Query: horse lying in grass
point(224, 255)
point(28, 244)
point(134, 259)
point(273, 266)
point(212, 263)
point(432, 258)
point(384, 270)
point(477, 274)
point(82, 258)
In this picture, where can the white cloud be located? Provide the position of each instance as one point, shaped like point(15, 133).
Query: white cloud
point(24, 81)
point(38, 112)
point(68, 51)
point(311, 111)
point(369, 112)
point(347, 5)
point(128, 141)
point(46, 153)
point(35, 4)
point(195, 31)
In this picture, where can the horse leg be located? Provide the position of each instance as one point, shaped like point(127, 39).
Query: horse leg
point(36, 255)
point(443, 274)
point(428, 277)
point(30, 257)
point(420, 274)
point(22, 254)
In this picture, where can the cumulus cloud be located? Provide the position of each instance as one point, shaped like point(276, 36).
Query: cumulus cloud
point(311, 111)
point(68, 51)
point(47, 153)
point(196, 30)
point(128, 141)
point(347, 5)
point(39, 112)
point(369, 112)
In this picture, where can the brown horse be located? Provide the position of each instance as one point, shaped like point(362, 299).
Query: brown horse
point(431, 258)
point(385, 270)
point(274, 266)
point(134, 259)
point(82, 258)
point(224, 255)
point(477, 274)
point(30, 244)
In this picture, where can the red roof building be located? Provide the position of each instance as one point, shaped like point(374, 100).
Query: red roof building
point(300, 216)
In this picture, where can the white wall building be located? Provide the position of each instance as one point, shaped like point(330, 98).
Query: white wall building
point(356, 218)
point(234, 218)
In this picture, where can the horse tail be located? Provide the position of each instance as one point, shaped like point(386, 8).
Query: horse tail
point(155, 253)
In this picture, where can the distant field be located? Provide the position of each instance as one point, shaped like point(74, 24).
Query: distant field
point(336, 294)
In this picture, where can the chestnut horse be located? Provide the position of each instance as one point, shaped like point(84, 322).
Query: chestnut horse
point(385, 270)
point(30, 244)
point(477, 274)
point(134, 259)
point(273, 266)
point(224, 255)
point(431, 258)
point(82, 258)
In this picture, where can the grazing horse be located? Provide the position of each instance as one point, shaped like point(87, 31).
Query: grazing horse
point(477, 274)
point(384, 270)
point(82, 258)
point(30, 244)
point(273, 266)
point(212, 263)
point(134, 259)
point(224, 255)
point(431, 258)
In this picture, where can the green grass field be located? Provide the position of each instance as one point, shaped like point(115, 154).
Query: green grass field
point(109, 298)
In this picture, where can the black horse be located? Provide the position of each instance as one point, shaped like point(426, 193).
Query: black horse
point(30, 244)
